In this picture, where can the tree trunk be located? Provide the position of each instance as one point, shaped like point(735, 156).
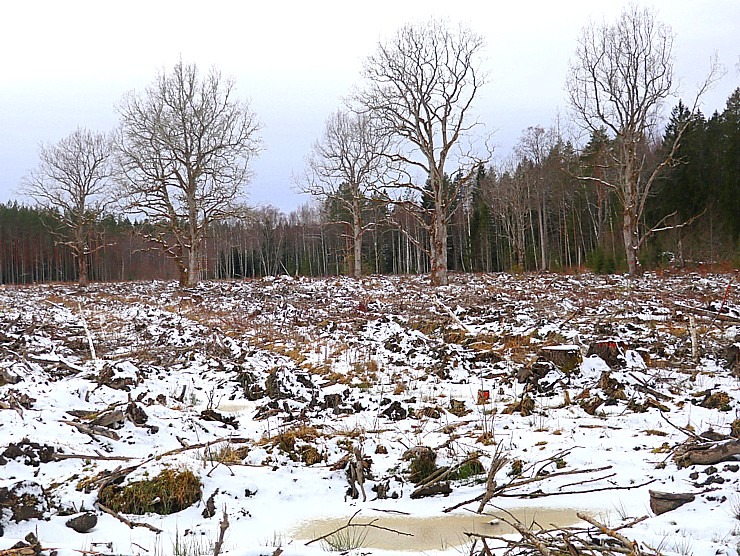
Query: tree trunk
point(543, 239)
point(629, 234)
point(83, 279)
point(357, 237)
point(438, 249)
point(189, 271)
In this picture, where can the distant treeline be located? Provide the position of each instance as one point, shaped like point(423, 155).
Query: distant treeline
point(532, 213)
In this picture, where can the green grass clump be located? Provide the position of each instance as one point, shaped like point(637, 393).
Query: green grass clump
point(169, 492)
point(469, 469)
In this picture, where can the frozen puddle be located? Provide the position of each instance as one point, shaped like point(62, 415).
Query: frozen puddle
point(430, 533)
point(236, 406)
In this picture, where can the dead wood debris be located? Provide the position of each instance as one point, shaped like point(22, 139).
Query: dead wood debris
point(598, 539)
point(539, 474)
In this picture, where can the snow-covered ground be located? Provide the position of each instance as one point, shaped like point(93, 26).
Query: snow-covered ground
point(265, 389)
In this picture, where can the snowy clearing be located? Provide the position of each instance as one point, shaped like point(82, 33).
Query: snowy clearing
point(588, 391)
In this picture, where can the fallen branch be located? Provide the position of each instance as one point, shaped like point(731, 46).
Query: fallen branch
point(707, 454)
point(632, 545)
point(221, 532)
point(93, 430)
point(686, 431)
point(426, 487)
point(706, 313)
point(645, 389)
point(515, 484)
point(122, 519)
point(453, 315)
point(544, 494)
point(93, 356)
point(499, 460)
point(232, 439)
point(568, 540)
point(595, 479)
point(59, 457)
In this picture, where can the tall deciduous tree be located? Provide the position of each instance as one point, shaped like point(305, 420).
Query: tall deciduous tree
point(73, 180)
point(184, 147)
point(620, 77)
point(346, 164)
point(535, 145)
point(421, 85)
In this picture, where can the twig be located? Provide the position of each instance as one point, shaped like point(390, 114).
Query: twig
point(349, 524)
point(122, 519)
point(587, 481)
point(399, 512)
point(687, 432)
point(544, 494)
point(632, 523)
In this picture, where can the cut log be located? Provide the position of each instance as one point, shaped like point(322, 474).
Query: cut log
point(708, 454)
point(662, 502)
point(432, 490)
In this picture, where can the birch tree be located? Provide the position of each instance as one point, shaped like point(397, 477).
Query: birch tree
point(72, 180)
point(345, 166)
point(619, 79)
point(421, 85)
point(184, 148)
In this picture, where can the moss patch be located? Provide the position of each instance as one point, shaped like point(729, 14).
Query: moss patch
point(169, 492)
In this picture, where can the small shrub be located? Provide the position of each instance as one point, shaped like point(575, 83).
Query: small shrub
point(517, 466)
point(469, 469)
point(718, 400)
point(346, 539)
point(227, 454)
point(310, 455)
point(422, 463)
point(169, 492)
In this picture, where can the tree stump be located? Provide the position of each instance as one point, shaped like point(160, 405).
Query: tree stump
point(611, 351)
point(662, 502)
point(732, 357)
point(566, 357)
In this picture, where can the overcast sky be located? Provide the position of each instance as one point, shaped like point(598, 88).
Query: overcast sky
point(67, 63)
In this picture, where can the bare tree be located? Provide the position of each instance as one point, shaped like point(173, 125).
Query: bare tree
point(621, 75)
point(420, 86)
point(73, 181)
point(184, 148)
point(345, 166)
